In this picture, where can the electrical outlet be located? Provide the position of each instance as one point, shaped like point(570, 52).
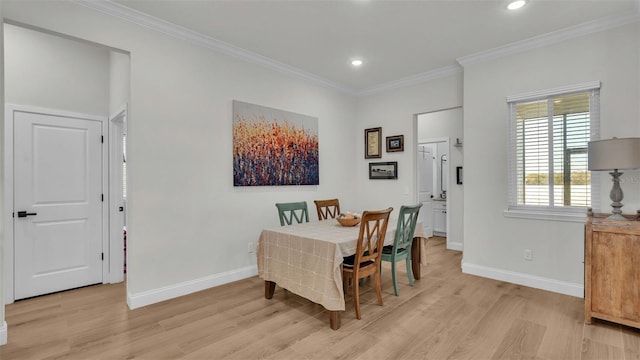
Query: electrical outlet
point(251, 247)
point(528, 254)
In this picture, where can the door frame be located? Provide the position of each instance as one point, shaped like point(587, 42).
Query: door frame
point(117, 127)
point(8, 240)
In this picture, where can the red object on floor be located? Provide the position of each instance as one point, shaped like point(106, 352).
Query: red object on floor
point(125, 251)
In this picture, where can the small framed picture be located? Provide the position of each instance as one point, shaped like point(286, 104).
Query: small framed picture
point(395, 143)
point(459, 175)
point(372, 143)
point(383, 170)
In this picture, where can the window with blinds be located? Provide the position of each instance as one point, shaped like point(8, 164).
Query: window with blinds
point(549, 137)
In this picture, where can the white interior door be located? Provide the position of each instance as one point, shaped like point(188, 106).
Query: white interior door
point(425, 187)
point(57, 203)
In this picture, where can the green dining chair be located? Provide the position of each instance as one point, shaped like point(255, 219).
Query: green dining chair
point(288, 212)
point(401, 248)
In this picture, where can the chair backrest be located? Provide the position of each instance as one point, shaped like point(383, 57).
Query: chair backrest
point(327, 208)
point(290, 211)
point(407, 220)
point(373, 228)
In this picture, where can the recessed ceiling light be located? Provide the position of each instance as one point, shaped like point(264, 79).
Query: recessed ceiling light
point(356, 62)
point(516, 4)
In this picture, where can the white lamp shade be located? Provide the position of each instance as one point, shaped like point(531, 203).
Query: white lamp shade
point(612, 154)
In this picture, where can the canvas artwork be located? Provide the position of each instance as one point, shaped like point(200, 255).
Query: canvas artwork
point(273, 147)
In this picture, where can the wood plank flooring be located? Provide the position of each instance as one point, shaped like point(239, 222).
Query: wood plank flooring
point(446, 315)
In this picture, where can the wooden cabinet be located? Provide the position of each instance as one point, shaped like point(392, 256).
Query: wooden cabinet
point(612, 269)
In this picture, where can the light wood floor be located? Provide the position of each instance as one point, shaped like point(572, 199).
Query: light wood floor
point(446, 315)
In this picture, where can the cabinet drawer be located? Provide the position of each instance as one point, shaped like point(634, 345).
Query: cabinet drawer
point(439, 205)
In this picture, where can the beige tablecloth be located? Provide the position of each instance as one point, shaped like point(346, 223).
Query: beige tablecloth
point(305, 258)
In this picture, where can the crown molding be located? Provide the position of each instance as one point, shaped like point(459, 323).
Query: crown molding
point(550, 38)
point(179, 32)
point(412, 80)
point(176, 31)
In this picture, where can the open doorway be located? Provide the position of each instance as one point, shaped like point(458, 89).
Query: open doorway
point(433, 183)
point(439, 133)
point(66, 77)
point(119, 79)
point(118, 196)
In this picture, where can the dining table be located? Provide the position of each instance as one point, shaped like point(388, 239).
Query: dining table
point(306, 259)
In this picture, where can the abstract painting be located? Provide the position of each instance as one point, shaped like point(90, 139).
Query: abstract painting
point(273, 147)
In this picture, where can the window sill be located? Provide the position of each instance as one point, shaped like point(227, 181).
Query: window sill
point(549, 215)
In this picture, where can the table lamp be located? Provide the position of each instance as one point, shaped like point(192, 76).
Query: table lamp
point(615, 154)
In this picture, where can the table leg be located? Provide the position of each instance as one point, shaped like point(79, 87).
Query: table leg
point(269, 288)
point(334, 320)
point(415, 257)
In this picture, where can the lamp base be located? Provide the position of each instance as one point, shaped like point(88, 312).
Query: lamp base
point(616, 217)
point(616, 196)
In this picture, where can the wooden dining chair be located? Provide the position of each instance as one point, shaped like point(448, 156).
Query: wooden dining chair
point(327, 208)
point(401, 248)
point(288, 212)
point(366, 261)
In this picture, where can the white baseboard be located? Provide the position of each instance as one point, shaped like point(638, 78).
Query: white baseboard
point(4, 335)
point(455, 246)
point(170, 292)
point(537, 282)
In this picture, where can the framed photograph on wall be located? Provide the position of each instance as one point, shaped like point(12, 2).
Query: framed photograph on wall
point(372, 144)
point(395, 143)
point(383, 170)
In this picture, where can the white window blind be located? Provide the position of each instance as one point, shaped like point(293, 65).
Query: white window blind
point(548, 150)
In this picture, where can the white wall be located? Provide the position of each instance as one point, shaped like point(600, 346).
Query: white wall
point(49, 71)
point(448, 124)
point(119, 79)
point(3, 325)
point(188, 226)
point(395, 111)
point(494, 245)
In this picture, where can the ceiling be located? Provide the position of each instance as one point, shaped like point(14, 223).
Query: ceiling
point(398, 40)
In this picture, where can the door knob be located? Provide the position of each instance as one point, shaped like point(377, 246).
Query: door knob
point(22, 214)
